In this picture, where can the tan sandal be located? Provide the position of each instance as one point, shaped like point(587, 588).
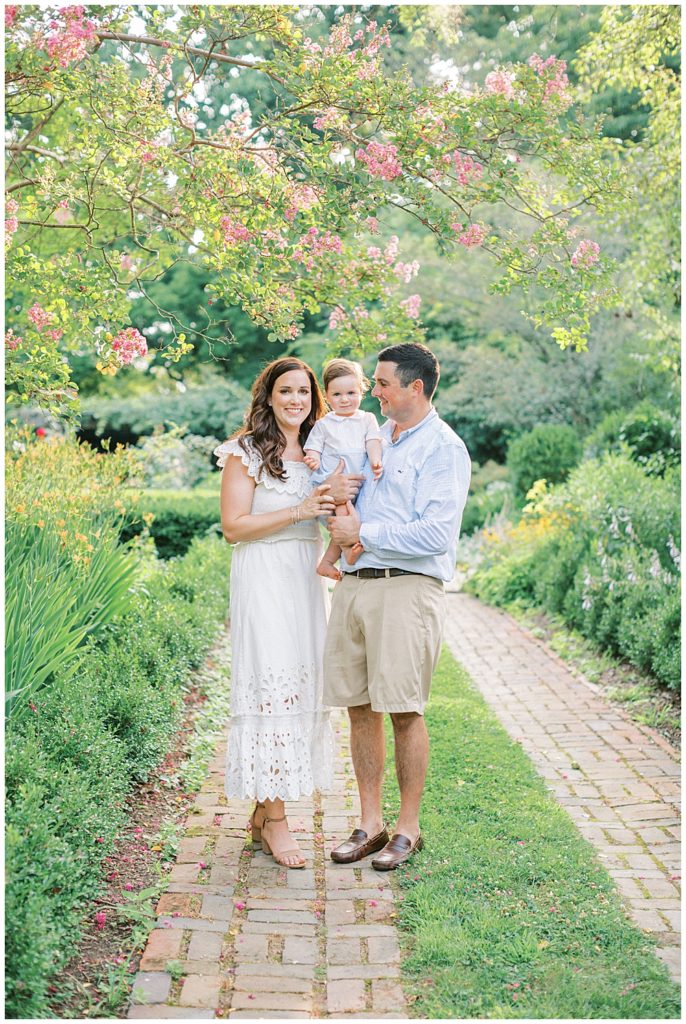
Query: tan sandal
point(284, 853)
point(255, 829)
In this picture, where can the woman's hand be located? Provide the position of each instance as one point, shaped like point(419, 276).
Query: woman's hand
point(319, 503)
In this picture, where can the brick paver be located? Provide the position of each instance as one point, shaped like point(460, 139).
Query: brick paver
point(619, 781)
point(239, 936)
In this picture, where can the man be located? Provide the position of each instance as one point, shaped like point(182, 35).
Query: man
point(385, 630)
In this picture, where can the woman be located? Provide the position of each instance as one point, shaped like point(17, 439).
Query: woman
point(280, 743)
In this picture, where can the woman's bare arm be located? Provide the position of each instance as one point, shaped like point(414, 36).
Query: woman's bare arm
point(238, 522)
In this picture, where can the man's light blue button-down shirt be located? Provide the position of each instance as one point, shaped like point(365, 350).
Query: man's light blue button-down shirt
point(411, 517)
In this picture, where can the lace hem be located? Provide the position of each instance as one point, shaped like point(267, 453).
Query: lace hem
point(296, 482)
point(269, 761)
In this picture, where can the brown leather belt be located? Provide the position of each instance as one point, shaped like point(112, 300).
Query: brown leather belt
point(379, 574)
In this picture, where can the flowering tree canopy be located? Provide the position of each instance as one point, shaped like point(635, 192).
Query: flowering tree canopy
point(120, 164)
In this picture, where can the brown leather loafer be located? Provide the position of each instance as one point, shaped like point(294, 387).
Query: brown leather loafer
point(396, 852)
point(358, 846)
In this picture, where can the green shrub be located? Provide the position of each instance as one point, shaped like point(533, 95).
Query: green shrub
point(179, 517)
point(602, 550)
point(71, 762)
point(175, 460)
point(489, 493)
point(651, 435)
point(548, 452)
point(216, 410)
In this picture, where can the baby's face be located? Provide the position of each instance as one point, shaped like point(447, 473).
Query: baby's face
point(344, 395)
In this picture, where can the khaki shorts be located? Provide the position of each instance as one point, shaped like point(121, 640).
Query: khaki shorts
point(383, 642)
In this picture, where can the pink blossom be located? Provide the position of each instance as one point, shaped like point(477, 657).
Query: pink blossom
point(11, 340)
point(374, 252)
point(466, 169)
point(39, 317)
point(406, 271)
point(128, 344)
point(239, 905)
point(129, 886)
point(11, 206)
point(55, 334)
point(293, 331)
point(100, 920)
point(69, 42)
point(381, 161)
point(330, 118)
point(234, 231)
point(411, 306)
point(11, 225)
point(552, 71)
point(372, 225)
point(391, 250)
point(303, 198)
point(126, 263)
point(337, 318)
point(62, 214)
point(500, 82)
point(474, 235)
point(202, 865)
point(586, 254)
point(10, 14)
point(147, 156)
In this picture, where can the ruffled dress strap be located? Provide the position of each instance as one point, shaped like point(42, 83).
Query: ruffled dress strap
point(249, 456)
point(298, 476)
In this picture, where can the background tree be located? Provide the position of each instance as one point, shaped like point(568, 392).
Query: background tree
point(119, 168)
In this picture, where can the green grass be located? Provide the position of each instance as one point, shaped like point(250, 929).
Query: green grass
point(507, 913)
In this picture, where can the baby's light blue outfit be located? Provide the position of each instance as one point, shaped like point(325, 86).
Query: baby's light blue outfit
point(342, 437)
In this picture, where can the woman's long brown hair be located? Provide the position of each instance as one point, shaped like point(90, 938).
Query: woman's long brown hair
point(260, 422)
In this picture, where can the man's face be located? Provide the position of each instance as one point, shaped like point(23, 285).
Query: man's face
point(396, 401)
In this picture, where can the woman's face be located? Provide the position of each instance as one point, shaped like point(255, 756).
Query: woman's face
point(291, 399)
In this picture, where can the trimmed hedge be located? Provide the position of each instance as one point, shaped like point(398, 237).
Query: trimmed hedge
point(179, 517)
point(92, 736)
point(214, 410)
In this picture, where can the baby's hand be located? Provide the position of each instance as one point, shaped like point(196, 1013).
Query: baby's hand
point(312, 460)
point(377, 470)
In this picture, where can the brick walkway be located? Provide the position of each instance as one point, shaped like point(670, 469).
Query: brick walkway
point(238, 936)
point(617, 780)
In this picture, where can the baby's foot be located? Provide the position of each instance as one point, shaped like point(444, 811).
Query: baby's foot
point(329, 570)
point(353, 553)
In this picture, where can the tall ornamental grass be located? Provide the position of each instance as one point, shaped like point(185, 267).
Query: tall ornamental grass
point(66, 575)
point(603, 551)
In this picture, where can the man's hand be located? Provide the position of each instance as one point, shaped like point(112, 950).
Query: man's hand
point(345, 530)
point(343, 486)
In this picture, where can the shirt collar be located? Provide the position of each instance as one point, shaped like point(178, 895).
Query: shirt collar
point(343, 419)
point(431, 415)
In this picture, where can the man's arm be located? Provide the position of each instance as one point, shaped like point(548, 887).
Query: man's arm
point(343, 486)
point(440, 498)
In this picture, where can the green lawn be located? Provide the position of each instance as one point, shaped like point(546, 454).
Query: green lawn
point(507, 913)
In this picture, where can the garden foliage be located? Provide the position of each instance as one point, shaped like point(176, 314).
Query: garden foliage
point(277, 199)
point(602, 550)
point(213, 410)
point(98, 674)
point(548, 452)
point(177, 517)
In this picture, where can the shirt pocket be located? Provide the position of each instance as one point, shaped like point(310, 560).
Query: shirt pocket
point(405, 478)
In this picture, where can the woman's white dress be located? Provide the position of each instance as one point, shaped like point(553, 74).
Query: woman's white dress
point(280, 741)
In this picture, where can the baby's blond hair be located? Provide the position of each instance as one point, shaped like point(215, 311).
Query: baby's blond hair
point(344, 368)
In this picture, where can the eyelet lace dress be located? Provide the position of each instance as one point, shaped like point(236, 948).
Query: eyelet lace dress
point(280, 741)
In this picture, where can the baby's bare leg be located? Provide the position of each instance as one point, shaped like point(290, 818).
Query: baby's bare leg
point(327, 566)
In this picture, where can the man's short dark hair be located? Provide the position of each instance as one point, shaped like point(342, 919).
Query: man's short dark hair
point(414, 362)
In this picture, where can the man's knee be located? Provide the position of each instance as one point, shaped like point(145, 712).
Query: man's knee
point(404, 720)
point(361, 713)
